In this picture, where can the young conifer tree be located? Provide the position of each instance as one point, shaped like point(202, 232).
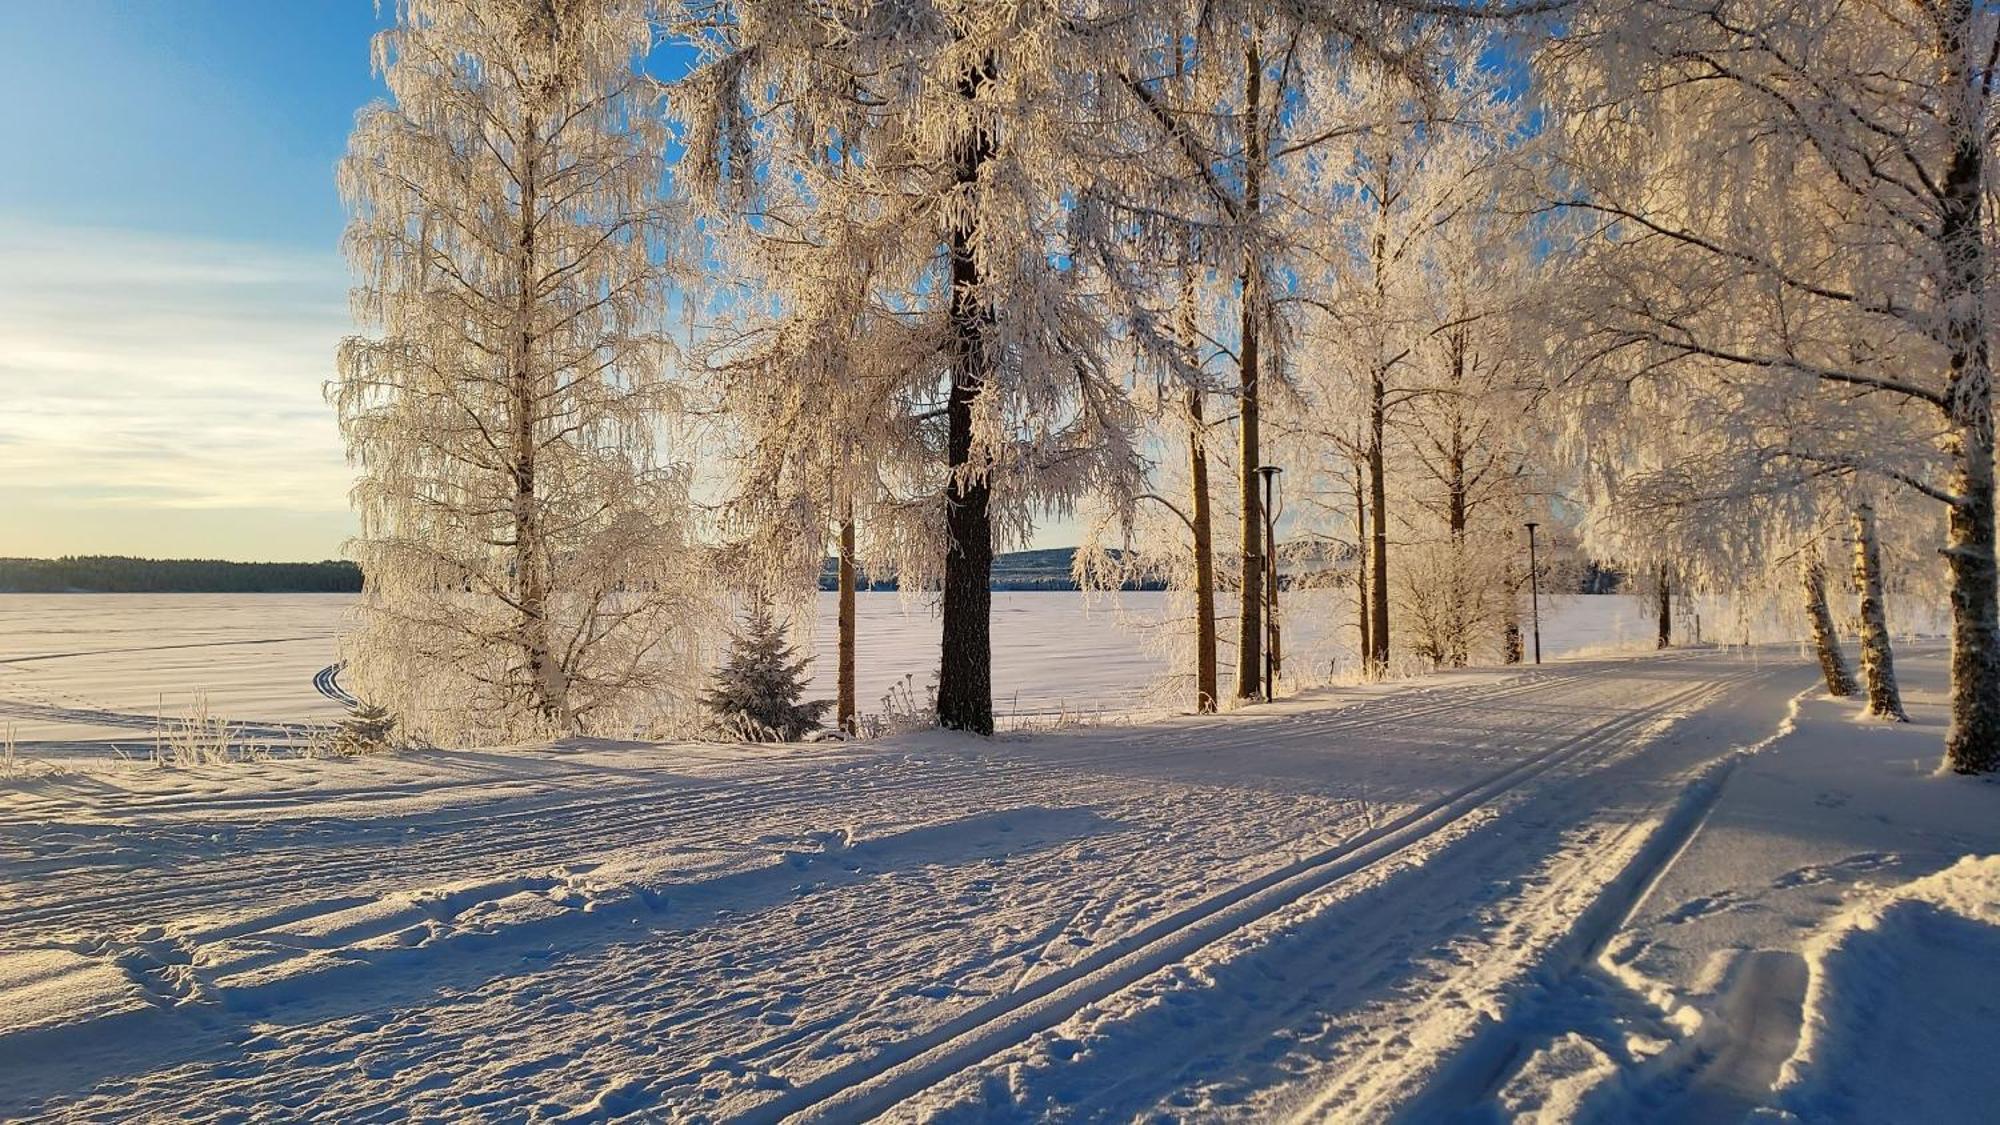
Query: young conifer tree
point(757, 694)
point(528, 569)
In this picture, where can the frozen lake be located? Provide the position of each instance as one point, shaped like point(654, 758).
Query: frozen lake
point(82, 666)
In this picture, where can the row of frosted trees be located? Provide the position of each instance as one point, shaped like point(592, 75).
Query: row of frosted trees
point(891, 282)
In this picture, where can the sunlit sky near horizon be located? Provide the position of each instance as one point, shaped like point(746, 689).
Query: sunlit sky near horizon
point(171, 288)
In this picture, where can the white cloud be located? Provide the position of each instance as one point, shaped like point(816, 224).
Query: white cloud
point(141, 369)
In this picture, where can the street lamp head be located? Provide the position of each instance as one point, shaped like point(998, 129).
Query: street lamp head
point(1269, 471)
point(1532, 525)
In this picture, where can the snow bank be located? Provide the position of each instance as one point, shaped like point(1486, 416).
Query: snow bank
point(1902, 987)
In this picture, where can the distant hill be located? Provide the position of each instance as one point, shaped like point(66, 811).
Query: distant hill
point(117, 574)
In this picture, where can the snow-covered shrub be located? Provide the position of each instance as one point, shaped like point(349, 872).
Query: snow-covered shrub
point(903, 710)
point(197, 738)
point(757, 692)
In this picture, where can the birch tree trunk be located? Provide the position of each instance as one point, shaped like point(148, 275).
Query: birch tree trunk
point(844, 710)
point(1250, 614)
point(1826, 642)
point(965, 667)
point(1878, 664)
point(531, 578)
point(1973, 744)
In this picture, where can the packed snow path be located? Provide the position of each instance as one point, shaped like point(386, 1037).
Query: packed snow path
point(1302, 909)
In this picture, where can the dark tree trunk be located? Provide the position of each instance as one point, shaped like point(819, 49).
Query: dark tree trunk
point(1378, 530)
point(1200, 522)
point(1663, 605)
point(1205, 687)
point(845, 711)
point(1250, 612)
point(965, 666)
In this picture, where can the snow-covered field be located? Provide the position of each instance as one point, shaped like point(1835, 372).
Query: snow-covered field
point(104, 668)
point(1672, 887)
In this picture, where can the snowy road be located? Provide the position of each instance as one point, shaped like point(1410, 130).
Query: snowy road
point(1315, 907)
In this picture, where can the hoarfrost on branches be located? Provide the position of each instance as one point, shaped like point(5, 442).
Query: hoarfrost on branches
point(525, 539)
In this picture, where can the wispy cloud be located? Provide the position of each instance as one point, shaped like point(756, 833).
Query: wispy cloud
point(144, 371)
point(132, 362)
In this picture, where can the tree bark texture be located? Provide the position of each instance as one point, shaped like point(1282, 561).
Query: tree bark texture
point(844, 710)
point(1378, 528)
point(965, 666)
point(1250, 612)
point(1973, 743)
point(1826, 642)
point(1878, 662)
point(1663, 603)
point(545, 686)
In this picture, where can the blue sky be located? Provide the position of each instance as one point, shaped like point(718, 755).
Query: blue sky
point(171, 288)
point(170, 285)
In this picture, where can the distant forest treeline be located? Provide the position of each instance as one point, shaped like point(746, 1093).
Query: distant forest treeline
point(118, 574)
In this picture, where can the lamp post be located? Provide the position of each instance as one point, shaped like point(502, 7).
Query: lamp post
point(1534, 591)
point(1271, 661)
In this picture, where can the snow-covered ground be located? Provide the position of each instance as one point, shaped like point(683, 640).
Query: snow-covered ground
point(1611, 888)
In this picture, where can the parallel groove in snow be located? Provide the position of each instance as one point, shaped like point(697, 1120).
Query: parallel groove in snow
point(625, 817)
point(874, 1085)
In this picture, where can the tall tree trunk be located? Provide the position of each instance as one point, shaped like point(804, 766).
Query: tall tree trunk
point(1378, 519)
point(1973, 744)
point(1826, 642)
point(965, 667)
point(1250, 614)
point(1205, 686)
point(1663, 604)
point(1363, 620)
point(844, 710)
point(546, 690)
point(1458, 646)
point(1878, 662)
point(1200, 521)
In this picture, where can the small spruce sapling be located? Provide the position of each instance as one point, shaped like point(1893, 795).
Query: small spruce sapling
point(757, 691)
point(368, 729)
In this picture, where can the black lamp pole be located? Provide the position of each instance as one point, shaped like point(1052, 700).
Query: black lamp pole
point(1534, 591)
point(1271, 664)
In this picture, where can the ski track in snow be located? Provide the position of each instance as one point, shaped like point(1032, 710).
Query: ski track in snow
point(1310, 908)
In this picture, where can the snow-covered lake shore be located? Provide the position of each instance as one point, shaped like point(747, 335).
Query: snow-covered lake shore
point(79, 668)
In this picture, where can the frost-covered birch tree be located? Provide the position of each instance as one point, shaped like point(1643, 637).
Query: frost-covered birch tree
point(525, 545)
point(1404, 318)
point(1229, 101)
point(1759, 172)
